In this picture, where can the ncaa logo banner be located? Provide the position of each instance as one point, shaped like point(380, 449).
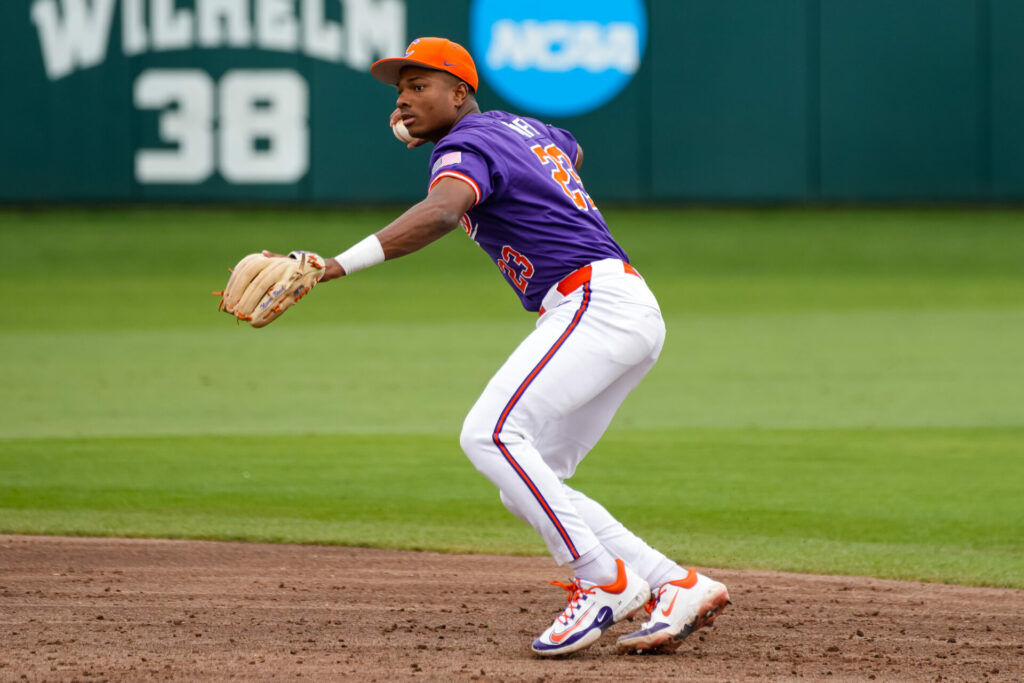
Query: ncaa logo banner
point(561, 58)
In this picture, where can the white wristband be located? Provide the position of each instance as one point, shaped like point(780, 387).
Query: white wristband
point(366, 253)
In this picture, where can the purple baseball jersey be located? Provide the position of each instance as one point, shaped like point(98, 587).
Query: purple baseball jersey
point(532, 214)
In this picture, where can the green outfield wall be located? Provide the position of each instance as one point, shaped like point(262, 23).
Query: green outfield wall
point(674, 100)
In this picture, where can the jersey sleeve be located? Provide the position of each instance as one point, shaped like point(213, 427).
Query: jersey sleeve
point(566, 142)
point(465, 164)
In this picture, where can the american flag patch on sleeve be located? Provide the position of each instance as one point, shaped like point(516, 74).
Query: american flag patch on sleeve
point(446, 160)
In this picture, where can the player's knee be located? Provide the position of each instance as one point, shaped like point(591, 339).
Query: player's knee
point(476, 437)
point(512, 507)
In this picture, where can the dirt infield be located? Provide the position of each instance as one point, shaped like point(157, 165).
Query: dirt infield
point(127, 610)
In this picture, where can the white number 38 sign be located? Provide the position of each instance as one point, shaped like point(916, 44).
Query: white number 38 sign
point(252, 126)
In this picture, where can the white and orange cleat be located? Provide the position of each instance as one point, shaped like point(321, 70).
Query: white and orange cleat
point(592, 609)
point(680, 608)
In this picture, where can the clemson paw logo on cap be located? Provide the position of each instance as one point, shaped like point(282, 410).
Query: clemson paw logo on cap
point(432, 53)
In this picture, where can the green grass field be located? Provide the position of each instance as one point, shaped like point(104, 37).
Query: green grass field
point(841, 391)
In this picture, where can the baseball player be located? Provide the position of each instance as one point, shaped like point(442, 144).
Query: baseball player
point(511, 183)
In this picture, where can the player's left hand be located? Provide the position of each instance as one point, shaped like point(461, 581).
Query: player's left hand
point(263, 286)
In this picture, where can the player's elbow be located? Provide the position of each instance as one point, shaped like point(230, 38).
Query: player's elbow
point(446, 219)
point(439, 221)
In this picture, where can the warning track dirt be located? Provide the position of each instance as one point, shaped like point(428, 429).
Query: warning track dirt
point(128, 610)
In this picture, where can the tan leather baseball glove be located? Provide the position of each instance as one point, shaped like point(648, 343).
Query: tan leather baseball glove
point(263, 287)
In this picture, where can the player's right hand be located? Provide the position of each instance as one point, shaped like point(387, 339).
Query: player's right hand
point(395, 117)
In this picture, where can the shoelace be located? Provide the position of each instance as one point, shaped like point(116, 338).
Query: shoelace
point(653, 602)
point(576, 592)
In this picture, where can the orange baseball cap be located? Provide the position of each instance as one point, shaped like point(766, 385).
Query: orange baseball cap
point(432, 53)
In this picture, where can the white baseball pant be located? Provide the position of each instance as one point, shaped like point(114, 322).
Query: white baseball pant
point(552, 400)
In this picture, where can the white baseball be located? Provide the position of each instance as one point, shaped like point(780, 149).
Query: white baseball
point(401, 132)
